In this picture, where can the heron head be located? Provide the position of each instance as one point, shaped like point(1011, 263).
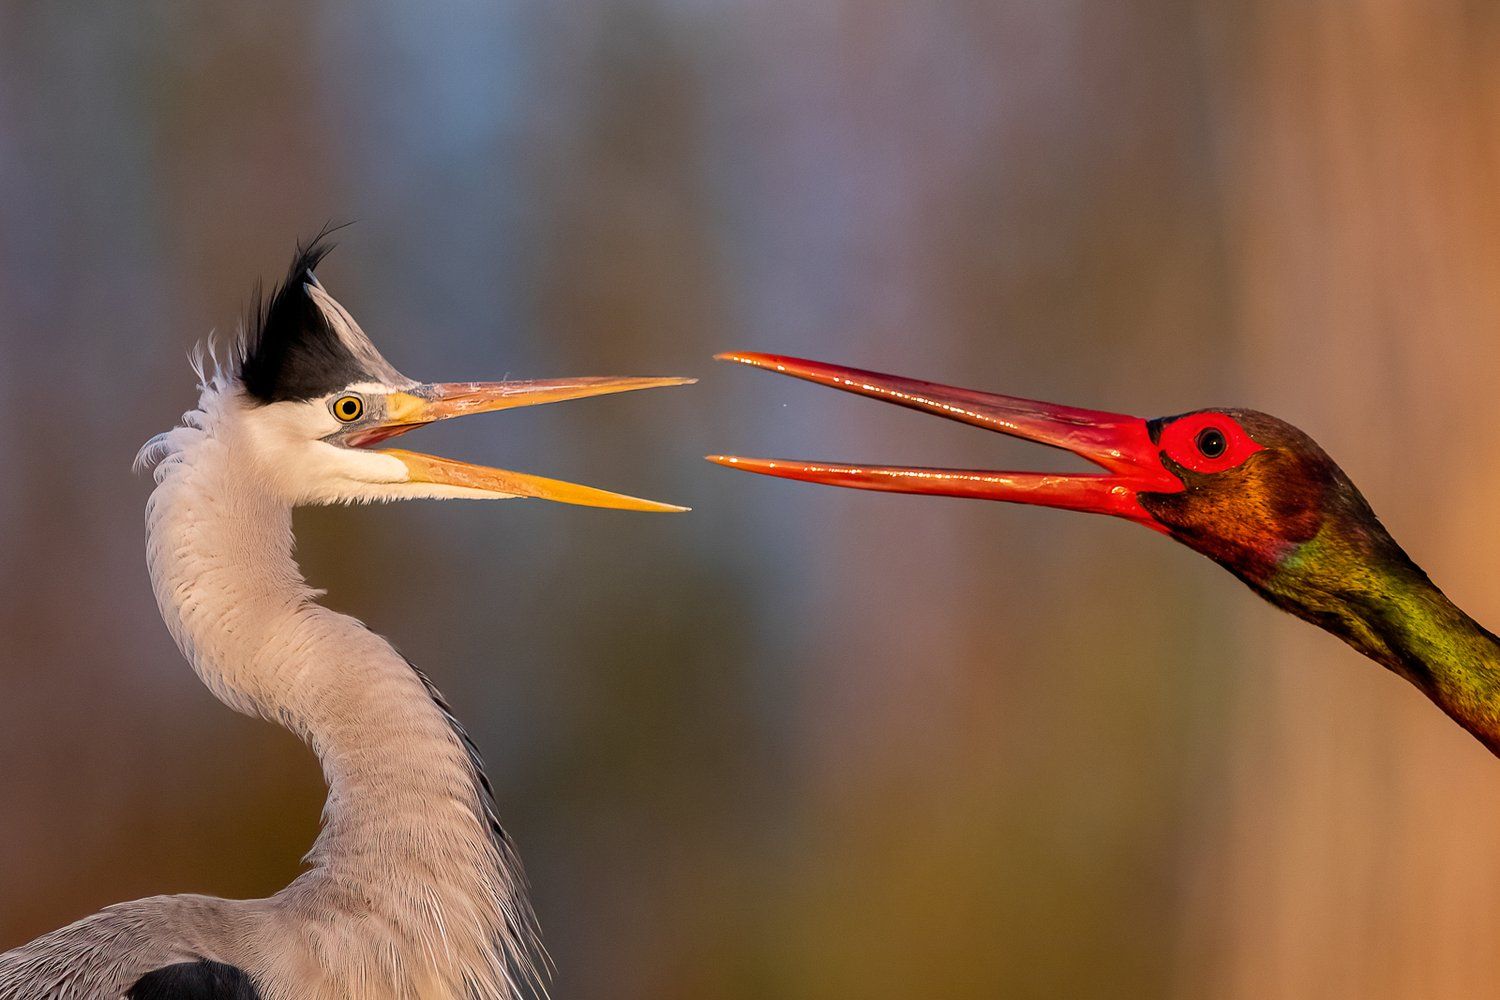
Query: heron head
point(314, 401)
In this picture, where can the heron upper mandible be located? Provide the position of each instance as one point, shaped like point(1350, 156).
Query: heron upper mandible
point(412, 890)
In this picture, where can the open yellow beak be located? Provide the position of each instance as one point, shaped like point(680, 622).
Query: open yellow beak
point(425, 404)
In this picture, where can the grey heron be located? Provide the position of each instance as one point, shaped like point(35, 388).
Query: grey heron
point(412, 889)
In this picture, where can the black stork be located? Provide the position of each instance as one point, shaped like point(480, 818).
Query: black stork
point(1253, 493)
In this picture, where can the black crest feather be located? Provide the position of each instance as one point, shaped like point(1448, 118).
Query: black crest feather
point(294, 352)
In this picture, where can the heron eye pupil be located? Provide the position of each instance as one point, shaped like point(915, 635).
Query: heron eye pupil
point(1212, 443)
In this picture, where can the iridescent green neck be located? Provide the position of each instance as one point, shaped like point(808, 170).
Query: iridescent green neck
point(1365, 589)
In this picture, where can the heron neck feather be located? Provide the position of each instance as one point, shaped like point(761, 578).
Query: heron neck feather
point(408, 854)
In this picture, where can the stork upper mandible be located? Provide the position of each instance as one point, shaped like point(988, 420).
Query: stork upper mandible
point(412, 890)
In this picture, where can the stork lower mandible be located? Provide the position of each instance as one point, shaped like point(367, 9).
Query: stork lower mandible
point(413, 890)
point(1251, 492)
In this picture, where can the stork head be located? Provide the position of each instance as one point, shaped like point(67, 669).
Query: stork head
point(1249, 491)
point(312, 401)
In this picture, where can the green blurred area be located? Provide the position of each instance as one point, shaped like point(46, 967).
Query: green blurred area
point(798, 743)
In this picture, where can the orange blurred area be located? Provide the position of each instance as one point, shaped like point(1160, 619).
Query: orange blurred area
point(801, 742)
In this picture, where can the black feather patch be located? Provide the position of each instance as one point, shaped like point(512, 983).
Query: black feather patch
point(202, 980)
point(294, 352)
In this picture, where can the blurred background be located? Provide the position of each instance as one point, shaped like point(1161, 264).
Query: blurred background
point(802, 742)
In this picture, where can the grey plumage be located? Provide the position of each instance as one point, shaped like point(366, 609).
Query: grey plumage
point(412, 890)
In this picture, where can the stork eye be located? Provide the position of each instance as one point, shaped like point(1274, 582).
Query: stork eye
point(348, 408)
point(1211, 442)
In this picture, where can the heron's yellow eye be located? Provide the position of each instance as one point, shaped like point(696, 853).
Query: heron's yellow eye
point(348, 408)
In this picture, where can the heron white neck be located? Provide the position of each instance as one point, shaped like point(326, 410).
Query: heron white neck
point(408, 837)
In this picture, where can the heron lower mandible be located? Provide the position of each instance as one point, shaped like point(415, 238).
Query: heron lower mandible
point(413, 890)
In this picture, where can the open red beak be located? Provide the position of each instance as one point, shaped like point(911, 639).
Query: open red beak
point(1120, 444)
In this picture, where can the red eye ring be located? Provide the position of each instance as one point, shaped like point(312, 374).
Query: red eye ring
point(1206, 442)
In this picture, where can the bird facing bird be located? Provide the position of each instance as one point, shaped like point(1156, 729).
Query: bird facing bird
point(1251, 492)
point(412, 889)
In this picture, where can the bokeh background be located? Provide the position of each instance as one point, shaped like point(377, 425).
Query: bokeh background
point(802, 742)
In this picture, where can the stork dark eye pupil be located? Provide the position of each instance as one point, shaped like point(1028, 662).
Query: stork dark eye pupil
point(1212, 442)
point(348, 408)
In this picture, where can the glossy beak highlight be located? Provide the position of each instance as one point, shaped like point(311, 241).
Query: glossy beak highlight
point(1118, 443)
point(425, 404)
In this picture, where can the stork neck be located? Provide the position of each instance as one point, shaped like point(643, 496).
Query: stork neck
point(408, 835)
point(1379, 601)
point(1446, 653)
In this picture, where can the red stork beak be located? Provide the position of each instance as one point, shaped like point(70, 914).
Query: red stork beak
point(1120, 444)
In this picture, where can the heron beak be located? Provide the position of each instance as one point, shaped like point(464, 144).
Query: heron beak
point(1120, 444)
point(425, 404)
